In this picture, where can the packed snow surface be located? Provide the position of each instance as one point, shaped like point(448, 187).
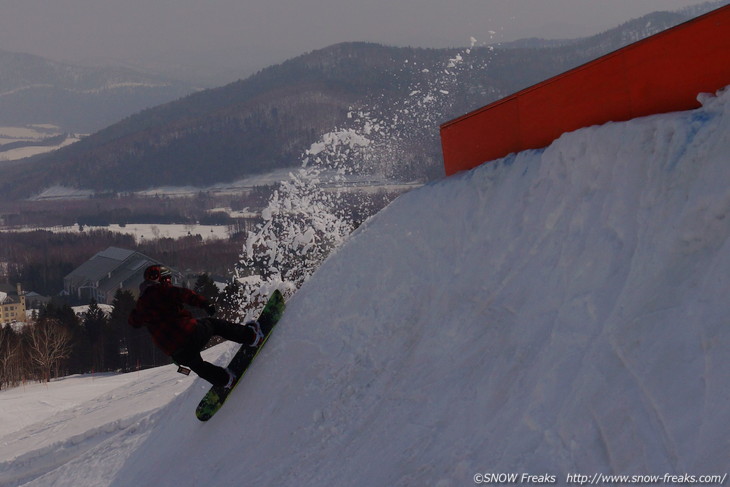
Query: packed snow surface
point(556, 312)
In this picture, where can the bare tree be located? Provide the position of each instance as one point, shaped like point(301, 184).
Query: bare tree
point(10, 357)
point(49, 342)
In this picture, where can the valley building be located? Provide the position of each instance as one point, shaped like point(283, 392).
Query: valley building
point(12, 305)
point(112, 269)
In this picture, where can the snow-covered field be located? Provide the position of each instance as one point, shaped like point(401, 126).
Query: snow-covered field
point(31, 133)
point(557, 313)
point(141, 231)
point(154, 231)
point(354, 182)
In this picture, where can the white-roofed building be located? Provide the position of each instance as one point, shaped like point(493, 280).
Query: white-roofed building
point(101, 276)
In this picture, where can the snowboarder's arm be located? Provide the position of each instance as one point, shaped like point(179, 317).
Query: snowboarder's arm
point(135, 319)
point(192, 298)
point(143, 313)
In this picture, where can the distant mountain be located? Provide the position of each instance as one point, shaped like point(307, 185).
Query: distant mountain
point(629, 32)
point(266, 121)
point(35, 90)
point(250, 126)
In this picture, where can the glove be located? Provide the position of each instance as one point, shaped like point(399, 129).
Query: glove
point(210, 309)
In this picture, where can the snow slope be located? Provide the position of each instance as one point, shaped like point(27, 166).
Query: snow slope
point(556, 312)
point(47, 427)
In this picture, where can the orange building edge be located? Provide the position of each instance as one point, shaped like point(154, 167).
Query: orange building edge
point(662, 73)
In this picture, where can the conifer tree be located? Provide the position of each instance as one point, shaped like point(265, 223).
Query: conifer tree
point(95, 326)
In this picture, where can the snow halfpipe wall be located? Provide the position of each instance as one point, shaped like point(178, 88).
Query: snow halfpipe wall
point(659, 74)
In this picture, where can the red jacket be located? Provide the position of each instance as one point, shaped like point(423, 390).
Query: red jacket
point(160, 308)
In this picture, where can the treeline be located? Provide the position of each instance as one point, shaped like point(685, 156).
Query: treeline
point(39, 260)
point(113, 208)
point(192, 254)
point(57, 342)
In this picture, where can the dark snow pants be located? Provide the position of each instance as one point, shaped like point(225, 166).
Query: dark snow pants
point(189, 355)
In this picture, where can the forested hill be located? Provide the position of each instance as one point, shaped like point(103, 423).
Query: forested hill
point(266, 121)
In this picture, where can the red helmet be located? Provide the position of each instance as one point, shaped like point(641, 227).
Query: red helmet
point(158, 273)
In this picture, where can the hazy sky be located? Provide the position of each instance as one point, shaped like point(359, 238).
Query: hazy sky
point(246, 35)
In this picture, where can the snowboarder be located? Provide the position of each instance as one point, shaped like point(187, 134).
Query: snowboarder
point(177, 333)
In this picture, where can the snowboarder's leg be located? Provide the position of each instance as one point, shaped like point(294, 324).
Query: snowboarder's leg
point(218, 376)
point(248, 334)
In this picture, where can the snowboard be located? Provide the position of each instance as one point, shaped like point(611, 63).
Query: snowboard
point(216, 396)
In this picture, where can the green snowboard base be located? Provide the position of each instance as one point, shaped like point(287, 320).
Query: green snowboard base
point(216, 396)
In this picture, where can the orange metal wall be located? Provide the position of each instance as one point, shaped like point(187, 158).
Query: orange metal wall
point(659, 74)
